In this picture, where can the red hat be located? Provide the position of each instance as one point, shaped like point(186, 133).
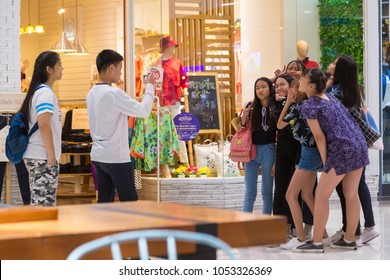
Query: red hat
point(167, 42)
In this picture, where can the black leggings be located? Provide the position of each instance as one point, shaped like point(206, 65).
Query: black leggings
point(287, 156)
point(365, 201)
point(22, 174)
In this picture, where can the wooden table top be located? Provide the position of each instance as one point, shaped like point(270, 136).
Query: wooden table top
point(77, 224)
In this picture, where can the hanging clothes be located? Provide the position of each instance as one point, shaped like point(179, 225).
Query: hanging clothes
point(131, 132)
point(144, 143)
point(138, 75)
point(175, 80)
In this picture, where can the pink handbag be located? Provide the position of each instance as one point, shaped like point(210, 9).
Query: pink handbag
point(241, 147)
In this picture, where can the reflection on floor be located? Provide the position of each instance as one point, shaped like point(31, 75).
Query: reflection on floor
point(377, 249)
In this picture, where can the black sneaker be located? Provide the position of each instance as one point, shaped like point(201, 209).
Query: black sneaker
point(309, 247)
point(341, 244)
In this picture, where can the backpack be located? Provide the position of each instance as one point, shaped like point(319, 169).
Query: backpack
point(241, 147)
point(17, 138)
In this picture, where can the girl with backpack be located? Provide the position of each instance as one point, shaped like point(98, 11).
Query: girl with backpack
point(263, 126)
point(44, 147)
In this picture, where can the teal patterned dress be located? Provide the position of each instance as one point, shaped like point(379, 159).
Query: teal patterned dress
point(144, 144)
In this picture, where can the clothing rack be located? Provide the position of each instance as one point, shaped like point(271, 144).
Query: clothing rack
point(8, 114)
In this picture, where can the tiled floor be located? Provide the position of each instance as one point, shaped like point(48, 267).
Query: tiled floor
point(377, 249)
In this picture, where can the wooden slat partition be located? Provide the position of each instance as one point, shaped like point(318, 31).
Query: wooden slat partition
point(204, 30)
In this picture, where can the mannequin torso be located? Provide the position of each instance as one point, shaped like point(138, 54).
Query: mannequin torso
point(174, 78)
point(302, 51)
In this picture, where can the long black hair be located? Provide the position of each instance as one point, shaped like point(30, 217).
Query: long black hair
point(298, 63)
point(346, 75)
point(256, 112)
point(40, 76)
point(280, 104)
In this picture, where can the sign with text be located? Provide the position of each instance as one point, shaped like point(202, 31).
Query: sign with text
point(187, 126)
point(203, 100)
point(11, 102)
point(158, 75)
point(80, 119)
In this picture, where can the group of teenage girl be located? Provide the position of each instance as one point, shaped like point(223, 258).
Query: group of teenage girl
point(301, 126)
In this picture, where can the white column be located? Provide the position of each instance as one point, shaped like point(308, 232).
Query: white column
point(372, 74)
point(261, 41)
point(129, 47)
point(9, 46)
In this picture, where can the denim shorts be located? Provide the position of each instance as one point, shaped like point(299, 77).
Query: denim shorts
point(310, 159)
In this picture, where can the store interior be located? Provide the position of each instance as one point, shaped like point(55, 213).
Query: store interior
point(233, 46)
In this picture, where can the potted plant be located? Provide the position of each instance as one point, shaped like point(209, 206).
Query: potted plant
point(192, 171)
point(204, 171)
point(180, 172)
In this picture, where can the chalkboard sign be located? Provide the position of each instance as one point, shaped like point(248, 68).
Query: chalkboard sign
point(203, 100)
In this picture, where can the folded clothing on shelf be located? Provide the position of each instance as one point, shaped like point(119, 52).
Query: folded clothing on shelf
point(68, 168)
point(77, 148)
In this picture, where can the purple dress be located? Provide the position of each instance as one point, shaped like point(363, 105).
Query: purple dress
point(346, 146)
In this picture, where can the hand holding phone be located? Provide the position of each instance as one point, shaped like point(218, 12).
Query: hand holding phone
point(148, 78)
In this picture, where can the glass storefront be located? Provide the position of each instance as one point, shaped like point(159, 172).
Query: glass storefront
point(223, 45)
point(385, 98)
point(233, 42)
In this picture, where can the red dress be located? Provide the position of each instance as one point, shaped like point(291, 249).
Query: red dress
point(310, 63)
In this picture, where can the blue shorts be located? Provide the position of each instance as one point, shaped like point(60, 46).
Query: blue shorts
point(310, 159)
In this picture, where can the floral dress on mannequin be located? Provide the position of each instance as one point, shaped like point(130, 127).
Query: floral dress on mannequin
point(144, 144)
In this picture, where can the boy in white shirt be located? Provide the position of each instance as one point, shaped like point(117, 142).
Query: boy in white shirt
point(108, 110)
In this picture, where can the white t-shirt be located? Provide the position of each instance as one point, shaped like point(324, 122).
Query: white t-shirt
point(44, 100)
point(108, 111)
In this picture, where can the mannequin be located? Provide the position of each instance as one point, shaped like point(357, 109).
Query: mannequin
point(174, 85)
point(25, 81)
point(302, 51)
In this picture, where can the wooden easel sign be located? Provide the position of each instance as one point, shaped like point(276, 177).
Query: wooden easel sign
point(203, 101)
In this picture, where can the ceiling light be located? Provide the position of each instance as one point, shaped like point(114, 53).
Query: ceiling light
point(79, 48)
point(62, 45)
point(39, 28)
point(29, 28)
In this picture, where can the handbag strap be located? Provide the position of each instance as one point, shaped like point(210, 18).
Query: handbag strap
point(249, 104)
point(229, 137)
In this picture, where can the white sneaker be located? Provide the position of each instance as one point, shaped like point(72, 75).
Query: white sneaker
point(338, 235)
point(369, 234)
point(308, 230)
point(292, 244)
point(359, 242)
point(326, 241)
point(292, 232)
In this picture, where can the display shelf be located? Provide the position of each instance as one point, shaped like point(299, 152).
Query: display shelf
point(81, 181)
